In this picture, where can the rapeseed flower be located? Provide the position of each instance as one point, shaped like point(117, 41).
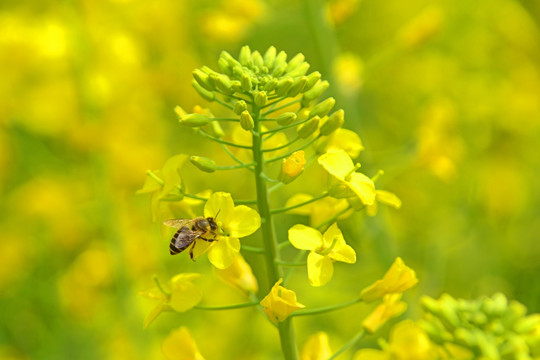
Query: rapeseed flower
point(179, 345)
point(397, 279)
point(239, 275)
point(316, 347)
point(324, 250)
point(391, 307)
point(280, 303)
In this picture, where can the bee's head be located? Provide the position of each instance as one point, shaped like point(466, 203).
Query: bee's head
point(212, 223)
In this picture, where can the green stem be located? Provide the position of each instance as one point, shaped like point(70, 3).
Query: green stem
point(332, 219)
point(233, 167)
point(238, 202)
point(223, 141)
point(284, 209)
point(282, 146)
point(252, 249)
point(284, 127)
point(160, 287)
point(221, 102)
point(225, 119)
point(298, 257)
point(289, 154)
point(290, 264)
point(349, 344)
point(326, 309)
point(232, 156)
point(226, 307)
point(282, 107)
point(286, 331)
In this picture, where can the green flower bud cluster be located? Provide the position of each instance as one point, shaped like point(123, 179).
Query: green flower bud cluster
point(490, 327)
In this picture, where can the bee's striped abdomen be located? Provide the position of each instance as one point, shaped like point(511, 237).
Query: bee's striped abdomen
point(181, 240)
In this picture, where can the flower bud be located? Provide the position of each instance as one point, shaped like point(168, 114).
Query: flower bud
point(202, 79)
point(224, 84)
point(316, 90)
point(179, 111)
point(194, 120)
point(270, 85)
point(215, 129)
point(279, 70)
point(239, 107)
point(230, 59)
point(245, 56)
point(334, 122)
point(270, 57)
point(205, 94)
point(260, 98)
point(295, 62)
point(297, 86)
point(224, 66)
point(286, 118)
point(281, 60)
point(246, 121)
point(239, 275)
point(300, 70)
point(203, 163)
point(257, 60)
point(283, 86)
point(307, 129)
point(246, 82)
point(312, 80)
point(292, 167)
point(323, 108)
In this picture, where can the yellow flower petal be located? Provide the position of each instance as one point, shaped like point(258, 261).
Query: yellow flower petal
point(320, 269)
point(371, 354)
point(305, 238)
point(316, 347)
point(390, 308)
point(298, 199)
point(332, 234)
point(346, 140)
point(409, 342)
point(239, 275)
point(363, 187)
point(343, 252)
point(184, 294)
point(243, 222)
point(397, 279)
point(388, 198)
point(179, 345)
point(220, 204)
point(337, 162)
point(223, 252)
point(280, 303)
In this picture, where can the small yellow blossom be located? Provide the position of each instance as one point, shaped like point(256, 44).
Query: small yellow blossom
point(349, 182)
point(280, 303)
point(239, 275)
point(234, 222)
point(348, 71)
point(341, 139)
point(316, 347)
point(397, 279)
point(292, 167)
point(181, 295)
point(179, 345)
point(391, 307)
point(324, 250)
point(383, 197)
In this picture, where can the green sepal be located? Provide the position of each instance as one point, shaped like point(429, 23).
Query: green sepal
point(307, 129)
point(261, 98)
point(239, 107)
point(286, 118)
point(195, 120)
point(283, 86)
point(203, 163)
point(297, 86)
point(334, 122)
point(323, 108)
point(202, 79)
point(246, 121)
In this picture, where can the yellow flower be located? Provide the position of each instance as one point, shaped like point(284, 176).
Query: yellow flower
point(390, 308)
point(349, 183)
point(407, 342)
point(383, 197)
point(316, 347)
point(179, 345)
point(292, 167)
point(181, 295)
point(234, 222)
point(341, 139)
point(280, 303)
point(324, 250)
point(319, 210)
point(397, 279)
point(239, 275)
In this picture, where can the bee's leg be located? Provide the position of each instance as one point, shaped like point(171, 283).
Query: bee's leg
point(191, 251)
point(209, 240)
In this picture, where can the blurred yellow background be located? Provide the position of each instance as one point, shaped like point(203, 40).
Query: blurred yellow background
point(444, 94)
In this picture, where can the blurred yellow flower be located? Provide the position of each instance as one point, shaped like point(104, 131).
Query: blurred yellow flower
point(349, 183)
point(179, 345)
point(181, 295)
point(337, 11)
point(234, 221)
point(391, 307)
point(422, 27)
point(316, 347)
point(348, 70)
point(324, 250)
point(292, 167)
point(239, 275)
point(319, 210)
point(280, 303)
point(397, 279)
point(383, 197)
point(341, 139)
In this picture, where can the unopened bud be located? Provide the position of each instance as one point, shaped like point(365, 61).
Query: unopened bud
point(245, 56)
point(246, 82)
point(281, 59)
point(307, 129)
point(295, 62)
point(283, 86)
point(312, 80)
point(215, 129)
point(239, 107)
point(334, 122)
point(286, 118)
point(179, 111)
point(323, 108)
point(224, 84)
point(270, 57)
point(203, 163)
point(257, 60)
point(205, 94)
point(300, 70)
point(260, 98)
point(202, 79)
point(224, 66)
point(194, 120)
point(292, 167)
point(316, 90)
point(270, 85)
point(230, 59)
point(246, 121)
point(297, 86)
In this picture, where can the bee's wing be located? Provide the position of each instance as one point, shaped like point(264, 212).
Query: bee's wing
point(177, 223)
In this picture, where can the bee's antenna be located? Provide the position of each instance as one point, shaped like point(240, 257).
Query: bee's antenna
point(215, 217)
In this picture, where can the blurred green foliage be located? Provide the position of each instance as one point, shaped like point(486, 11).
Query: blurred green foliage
point(445, 95)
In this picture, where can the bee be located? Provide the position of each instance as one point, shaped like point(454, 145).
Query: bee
point(189, 230)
